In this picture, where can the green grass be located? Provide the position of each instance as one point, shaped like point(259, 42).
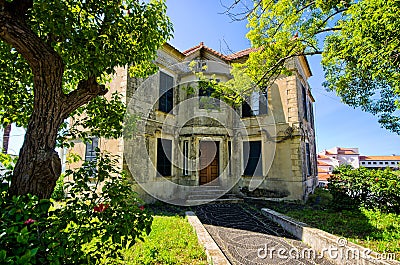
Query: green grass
point(171, 241)
point(372, 229)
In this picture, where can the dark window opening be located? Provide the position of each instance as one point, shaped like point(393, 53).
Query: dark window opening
point(208, 99)
point(308, 159)
point(90, 156)
point(186, 158)
point(229, 157)
point(256, 104)
point(252, 158)
point(164, 154)
point(166, 100)
point(304, 93)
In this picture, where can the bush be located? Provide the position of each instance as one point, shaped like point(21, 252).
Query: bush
point(321, 198)
point(102, 217)
point(365, 187)
point(59, 193)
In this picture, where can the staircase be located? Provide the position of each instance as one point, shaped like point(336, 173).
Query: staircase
point(210, 194)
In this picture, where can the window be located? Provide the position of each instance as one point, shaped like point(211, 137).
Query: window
point(185, 158)
point(304, 94)
point(164, 155)
point(374, 163)
point(369, 163)
point(256, 104)
point(393, 163)
point(308, 159)
point(207, 99)
point(381, 163)
point(252, 158)
point(166, 97)
point(386, 163)
point(311, 114)
point(90, 155)
point(363, 163)
point(229, 157)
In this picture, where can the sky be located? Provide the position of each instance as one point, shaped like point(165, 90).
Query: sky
point(336, 124)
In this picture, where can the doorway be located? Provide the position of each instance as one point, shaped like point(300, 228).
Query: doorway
point(209, 161)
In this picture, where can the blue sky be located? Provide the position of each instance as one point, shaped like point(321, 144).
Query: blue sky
point(336, 124)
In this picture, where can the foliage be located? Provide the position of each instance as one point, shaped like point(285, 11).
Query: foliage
point(16, 94)
point(59, 192)
point(101, 117)
point(233, 92)
point(358, 41)
point(171, 241)
point(102, 217)
point(371, 189)
point(92, 38)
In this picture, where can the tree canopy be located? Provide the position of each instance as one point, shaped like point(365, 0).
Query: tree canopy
point(55, 57)
point(359, 42)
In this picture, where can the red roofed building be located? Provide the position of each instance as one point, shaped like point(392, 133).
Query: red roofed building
point(392, 161)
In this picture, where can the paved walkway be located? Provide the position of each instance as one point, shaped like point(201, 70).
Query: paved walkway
point(247, 237)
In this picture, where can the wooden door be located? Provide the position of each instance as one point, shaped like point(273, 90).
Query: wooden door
point(209, 166)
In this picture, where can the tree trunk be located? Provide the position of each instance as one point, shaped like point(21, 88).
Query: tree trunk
point(39, 166)
point(6, 138)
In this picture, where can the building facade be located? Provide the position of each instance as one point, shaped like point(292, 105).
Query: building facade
point(187, 138)
point(380, 162)
point(327, 160)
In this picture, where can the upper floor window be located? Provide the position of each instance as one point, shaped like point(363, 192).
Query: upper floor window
point(166, 90)
point(256, 104)
point(208, 99)
point(304, 97)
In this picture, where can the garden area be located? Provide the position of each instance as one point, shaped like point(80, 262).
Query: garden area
point(361, 205)
point(101, 221)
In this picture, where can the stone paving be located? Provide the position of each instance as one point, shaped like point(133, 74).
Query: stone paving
point(247, 237)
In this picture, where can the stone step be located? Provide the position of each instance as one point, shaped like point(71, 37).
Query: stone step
point(210, 192)
point(202, 196)
point(221, 200)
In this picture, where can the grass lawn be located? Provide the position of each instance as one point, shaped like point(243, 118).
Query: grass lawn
point(372, 229)
point(171, 241)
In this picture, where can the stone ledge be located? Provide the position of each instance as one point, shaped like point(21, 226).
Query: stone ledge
point(322, 241)
point(214, 253)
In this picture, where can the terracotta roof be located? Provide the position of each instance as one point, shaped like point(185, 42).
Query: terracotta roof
point(242, 53)
point(323, 157)
point(321, 170)
point(346, 151)
point(229, 57)
point(390, 158)
point(329, 153)
point(324, 176)
point(202, 46)
point(320, 163)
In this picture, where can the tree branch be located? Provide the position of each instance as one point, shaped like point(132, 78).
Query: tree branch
point(327, 29)
point(86, 91)
point(15, 32)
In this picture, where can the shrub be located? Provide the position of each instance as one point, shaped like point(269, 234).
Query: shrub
point(59, 193)
point(365, 187)
point(102, 217)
